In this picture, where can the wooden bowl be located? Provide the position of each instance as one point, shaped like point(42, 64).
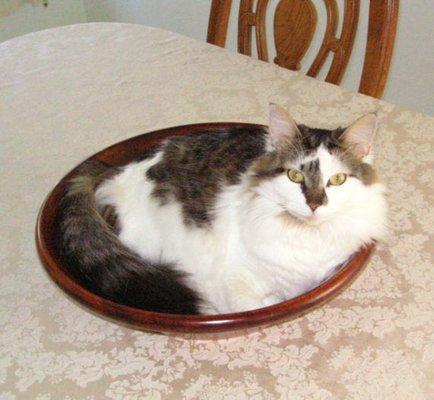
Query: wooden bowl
point(121, 154)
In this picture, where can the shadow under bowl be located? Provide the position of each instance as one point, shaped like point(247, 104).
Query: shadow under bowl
point(135, 148)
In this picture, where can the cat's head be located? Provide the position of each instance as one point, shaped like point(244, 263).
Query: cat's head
point(315, 175)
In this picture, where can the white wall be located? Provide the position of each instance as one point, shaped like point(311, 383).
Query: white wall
point(188, 17)
point(411, 78)
point(411, 81)
point(29, 18)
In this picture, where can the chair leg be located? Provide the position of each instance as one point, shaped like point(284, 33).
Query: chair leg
point(218, 22)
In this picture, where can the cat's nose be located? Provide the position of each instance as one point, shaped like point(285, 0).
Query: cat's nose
point(313, 205)
point(316, 198)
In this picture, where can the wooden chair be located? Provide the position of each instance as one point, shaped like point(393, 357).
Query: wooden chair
point(294, 26)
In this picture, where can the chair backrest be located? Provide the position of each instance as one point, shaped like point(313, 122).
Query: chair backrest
point(294, 26)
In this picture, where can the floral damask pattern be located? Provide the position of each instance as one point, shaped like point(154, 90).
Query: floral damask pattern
point(65, 94)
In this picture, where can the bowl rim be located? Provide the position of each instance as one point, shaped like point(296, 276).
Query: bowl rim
point(162, 322)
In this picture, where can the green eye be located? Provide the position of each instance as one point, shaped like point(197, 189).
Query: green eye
point(338, 179)
point(295, 175)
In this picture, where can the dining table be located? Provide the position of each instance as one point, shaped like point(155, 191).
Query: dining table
point(68, 92)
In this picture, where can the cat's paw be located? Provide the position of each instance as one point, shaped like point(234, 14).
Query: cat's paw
point(271, 300)
point(206, 308)
point(247, 303)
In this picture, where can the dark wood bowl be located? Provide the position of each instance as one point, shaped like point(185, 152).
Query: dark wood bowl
point(121, 154)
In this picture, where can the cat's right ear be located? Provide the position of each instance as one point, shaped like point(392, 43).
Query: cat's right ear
point(281, 125)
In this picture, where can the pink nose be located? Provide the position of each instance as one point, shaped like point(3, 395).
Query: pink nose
point(313, 205)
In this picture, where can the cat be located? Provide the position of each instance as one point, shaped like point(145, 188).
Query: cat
point(220, 222)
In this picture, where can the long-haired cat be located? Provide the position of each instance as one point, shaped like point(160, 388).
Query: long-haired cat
point(224, 222)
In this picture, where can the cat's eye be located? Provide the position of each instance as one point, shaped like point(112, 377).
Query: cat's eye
point(338, 179)
point(295, 175)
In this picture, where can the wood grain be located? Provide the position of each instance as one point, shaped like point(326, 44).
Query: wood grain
point(246, 20)
point(295, 23)
point(294, 26)
point(383, 21)
point(121, 154)
point(218, 22)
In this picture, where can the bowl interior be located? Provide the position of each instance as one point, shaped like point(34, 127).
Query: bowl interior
point(121, 154)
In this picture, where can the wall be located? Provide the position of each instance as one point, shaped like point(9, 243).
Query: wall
point(29, 18)
point(412, 75)
point(411, 78)
point(188, 17)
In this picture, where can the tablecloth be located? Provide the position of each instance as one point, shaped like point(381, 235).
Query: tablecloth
point(68, 92)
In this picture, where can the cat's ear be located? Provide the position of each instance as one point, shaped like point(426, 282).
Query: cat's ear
point(281, 125)
point(360, 135)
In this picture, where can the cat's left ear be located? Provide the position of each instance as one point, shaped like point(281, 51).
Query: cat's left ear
point(360, 135)
point(281, 125)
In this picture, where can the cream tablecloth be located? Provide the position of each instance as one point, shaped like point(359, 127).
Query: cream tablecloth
point(66, 93)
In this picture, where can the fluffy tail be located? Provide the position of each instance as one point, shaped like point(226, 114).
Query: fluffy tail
point(99, 261)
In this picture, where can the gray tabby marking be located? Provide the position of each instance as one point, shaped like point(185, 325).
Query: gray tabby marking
point(195, 168)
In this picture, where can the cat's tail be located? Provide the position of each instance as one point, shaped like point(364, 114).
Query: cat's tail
point(95, 256)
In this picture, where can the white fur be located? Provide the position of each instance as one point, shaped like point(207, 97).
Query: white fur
point(250, 257)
